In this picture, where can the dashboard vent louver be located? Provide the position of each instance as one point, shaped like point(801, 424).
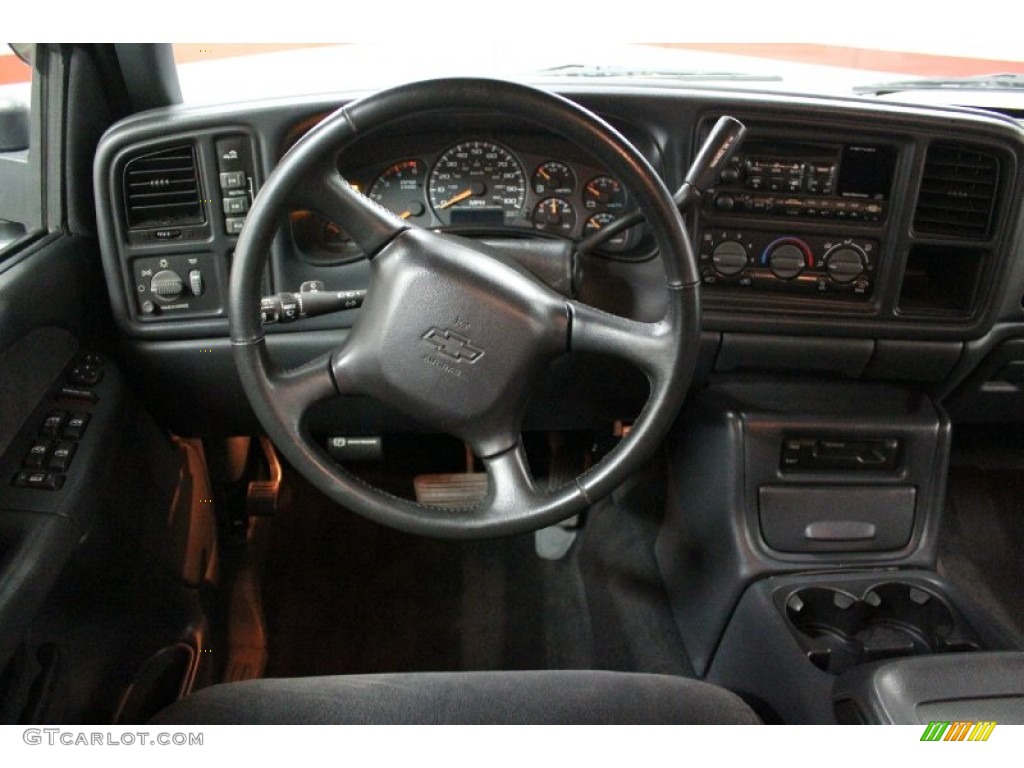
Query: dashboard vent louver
point(161, 189)
point(958, 192)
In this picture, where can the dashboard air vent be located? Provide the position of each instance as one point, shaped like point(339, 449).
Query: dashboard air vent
point(958, 192)
point(161, 189)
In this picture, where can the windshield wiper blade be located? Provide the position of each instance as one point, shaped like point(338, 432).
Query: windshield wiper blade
point(1001, 82)
point(599, 70)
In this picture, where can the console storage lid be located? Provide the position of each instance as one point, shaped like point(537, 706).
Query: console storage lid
point(952, 687)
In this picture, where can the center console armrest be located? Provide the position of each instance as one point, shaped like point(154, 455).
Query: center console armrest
point(946, 688)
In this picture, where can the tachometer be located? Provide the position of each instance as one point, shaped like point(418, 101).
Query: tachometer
point(477, 182)
point(399, 188)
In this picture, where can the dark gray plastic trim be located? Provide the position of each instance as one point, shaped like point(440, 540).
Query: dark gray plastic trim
point(840, 518)
point(727, 446)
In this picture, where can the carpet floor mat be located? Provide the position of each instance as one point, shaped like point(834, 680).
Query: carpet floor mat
point(343, 595)
point(982, 539)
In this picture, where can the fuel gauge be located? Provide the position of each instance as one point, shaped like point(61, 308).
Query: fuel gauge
point(554, 178)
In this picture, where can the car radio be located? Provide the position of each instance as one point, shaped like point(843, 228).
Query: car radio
point(801, 180)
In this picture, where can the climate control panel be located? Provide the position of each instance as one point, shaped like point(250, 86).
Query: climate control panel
point(776, 261)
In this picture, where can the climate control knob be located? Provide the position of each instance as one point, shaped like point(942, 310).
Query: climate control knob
point(167, 285)
point(845, 263)
point(787, 260)
point(729, 258)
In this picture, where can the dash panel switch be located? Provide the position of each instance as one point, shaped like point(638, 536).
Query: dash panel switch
point(195, 282)
point(831, 454)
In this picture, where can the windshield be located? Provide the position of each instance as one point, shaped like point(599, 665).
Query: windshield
point(220, 72)
point(925, 71)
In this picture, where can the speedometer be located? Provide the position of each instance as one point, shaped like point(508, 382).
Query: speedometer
point(477, 182)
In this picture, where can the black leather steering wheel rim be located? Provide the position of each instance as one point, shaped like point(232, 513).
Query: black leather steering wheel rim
point(521, 325)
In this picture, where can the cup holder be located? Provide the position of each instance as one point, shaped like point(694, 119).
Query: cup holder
point(840, 628)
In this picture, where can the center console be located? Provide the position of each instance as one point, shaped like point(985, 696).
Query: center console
point(799, 540)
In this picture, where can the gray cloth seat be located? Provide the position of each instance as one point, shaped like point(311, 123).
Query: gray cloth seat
point(543, 697)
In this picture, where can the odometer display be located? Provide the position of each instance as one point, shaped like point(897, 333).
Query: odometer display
point(477, 175)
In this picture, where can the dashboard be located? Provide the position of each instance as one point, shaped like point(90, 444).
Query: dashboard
point(846, 238)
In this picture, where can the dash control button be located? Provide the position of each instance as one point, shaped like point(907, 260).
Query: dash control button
point(60, 460)
point(21, 479)
point(232, 180)
point(791, 452)
point(74, 393)
point(195, 282)
point(37, 455)
point(85, 375)
point(45, 481)
point(75, 428)
point(52, 424)
point(235, 205)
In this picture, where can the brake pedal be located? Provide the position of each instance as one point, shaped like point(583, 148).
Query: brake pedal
point(461, 489)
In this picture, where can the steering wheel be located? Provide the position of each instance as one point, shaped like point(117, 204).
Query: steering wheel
point(448, 334)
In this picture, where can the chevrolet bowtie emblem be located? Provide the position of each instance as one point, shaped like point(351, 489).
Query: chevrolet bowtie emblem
point(452, 345)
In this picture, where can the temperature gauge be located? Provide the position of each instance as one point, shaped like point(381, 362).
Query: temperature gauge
point(604, 192)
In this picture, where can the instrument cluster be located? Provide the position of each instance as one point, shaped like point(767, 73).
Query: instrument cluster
point(480, 186)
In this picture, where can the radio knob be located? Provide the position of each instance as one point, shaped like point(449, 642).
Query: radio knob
point(844, 263)
point(787, 261)
point(725, 202)
point(167, 285)
point(729, 258)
